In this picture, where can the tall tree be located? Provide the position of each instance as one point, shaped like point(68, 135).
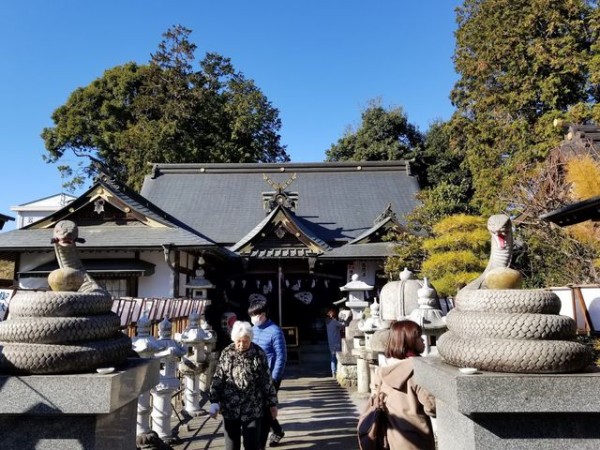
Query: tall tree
point(439, 161)
point(520, 64)
point(383, 135)
point(167, 111)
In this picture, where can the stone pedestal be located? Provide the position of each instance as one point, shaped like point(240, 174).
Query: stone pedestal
point(74, 412)
point(488, 411)
point(346, 370)
point(365, 359)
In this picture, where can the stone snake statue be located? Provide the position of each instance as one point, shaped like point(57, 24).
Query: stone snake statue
point(509, 330)
point(499, 226)
point(51, 332)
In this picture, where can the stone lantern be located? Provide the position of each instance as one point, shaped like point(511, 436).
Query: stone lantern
point(372, 324)
point(196, 363)
point(198, 285)
point(355, 363)
point(357, 290)
point(162, 409)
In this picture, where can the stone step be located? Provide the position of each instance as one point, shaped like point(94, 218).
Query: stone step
point(309, 353)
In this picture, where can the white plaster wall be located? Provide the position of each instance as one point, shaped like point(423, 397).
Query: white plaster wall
point(30, 261)
point(159, 284)
point(591, 298)
point(364, 268)
point(156, 285)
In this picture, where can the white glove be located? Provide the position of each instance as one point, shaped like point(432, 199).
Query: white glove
point(213, 410)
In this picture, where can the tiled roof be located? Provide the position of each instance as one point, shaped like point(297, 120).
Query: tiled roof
point(165, 229)
point(282, 253)
point(372, 233)
point(100, 237)
point(94, 267)
point(587, 133)
point(338, 200)
point(361, 251)
point(308, 244)
point(575, 213)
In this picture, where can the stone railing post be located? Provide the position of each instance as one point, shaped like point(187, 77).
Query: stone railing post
point(145, 345)
point(213, 356)
point(162, 393)
point(194, 364)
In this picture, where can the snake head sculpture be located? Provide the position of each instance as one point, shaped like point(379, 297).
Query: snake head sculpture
point(500, 227)
point(66, 233)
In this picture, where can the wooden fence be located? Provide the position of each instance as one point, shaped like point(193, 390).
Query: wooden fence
point(177, 310)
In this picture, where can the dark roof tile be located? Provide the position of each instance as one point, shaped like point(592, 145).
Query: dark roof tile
point(339, 200)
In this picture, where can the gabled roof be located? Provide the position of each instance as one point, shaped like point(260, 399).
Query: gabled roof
point(339, 200)
point(134, 222)
point(384, 224)
point(4, 219)
point(281, 235)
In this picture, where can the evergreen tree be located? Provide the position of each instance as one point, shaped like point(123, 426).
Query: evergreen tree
point(384, 135)
point(166, 111)
point(520, 64)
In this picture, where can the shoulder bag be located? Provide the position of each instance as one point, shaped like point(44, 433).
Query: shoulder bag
point(373, 424)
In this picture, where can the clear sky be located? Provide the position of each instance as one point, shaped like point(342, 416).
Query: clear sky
point(319, 62)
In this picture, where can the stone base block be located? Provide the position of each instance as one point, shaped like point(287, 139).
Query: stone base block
point(74, 412)
point(489, 411)
point(346, 375)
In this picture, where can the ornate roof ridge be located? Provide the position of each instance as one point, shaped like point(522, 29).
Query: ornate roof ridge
point(338, 166)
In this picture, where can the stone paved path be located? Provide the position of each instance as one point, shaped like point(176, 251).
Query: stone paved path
point(315, 413)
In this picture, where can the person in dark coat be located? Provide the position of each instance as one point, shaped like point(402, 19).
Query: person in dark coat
point(240, 389)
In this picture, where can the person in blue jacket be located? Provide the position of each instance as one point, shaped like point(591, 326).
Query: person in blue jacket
point(271, 339)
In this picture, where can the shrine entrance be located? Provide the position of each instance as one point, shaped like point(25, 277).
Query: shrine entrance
point(298, 298)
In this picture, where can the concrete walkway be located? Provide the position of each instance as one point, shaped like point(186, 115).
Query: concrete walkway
point(315, 413)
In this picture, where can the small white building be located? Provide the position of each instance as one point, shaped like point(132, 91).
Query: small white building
point(30, 212)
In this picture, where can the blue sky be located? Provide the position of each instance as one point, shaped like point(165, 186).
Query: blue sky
point(319, 62)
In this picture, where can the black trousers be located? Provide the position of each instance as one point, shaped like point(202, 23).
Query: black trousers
point(235, 430)
point(269, 423)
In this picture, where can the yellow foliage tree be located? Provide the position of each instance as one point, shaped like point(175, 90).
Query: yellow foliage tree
point(457, 253)
point(583, 173)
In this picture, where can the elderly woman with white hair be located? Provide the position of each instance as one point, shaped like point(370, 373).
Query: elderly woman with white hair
point(240, 388)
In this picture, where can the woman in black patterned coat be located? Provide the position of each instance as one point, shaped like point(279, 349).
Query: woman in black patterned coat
point(240, 388)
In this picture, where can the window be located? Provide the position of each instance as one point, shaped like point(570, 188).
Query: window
point(117, 287)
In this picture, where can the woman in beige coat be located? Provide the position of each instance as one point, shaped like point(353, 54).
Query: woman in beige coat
point(409, 405)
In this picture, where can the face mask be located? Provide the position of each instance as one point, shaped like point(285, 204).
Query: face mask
point(256, 320)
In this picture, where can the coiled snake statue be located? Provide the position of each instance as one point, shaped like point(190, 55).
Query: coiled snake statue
point(510, 330)
point(53, 332)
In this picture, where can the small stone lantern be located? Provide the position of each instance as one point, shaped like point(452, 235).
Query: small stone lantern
point(357, 290)
point(191, 366)
point(357, 303)
point(372, 324)
point(198, 285)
